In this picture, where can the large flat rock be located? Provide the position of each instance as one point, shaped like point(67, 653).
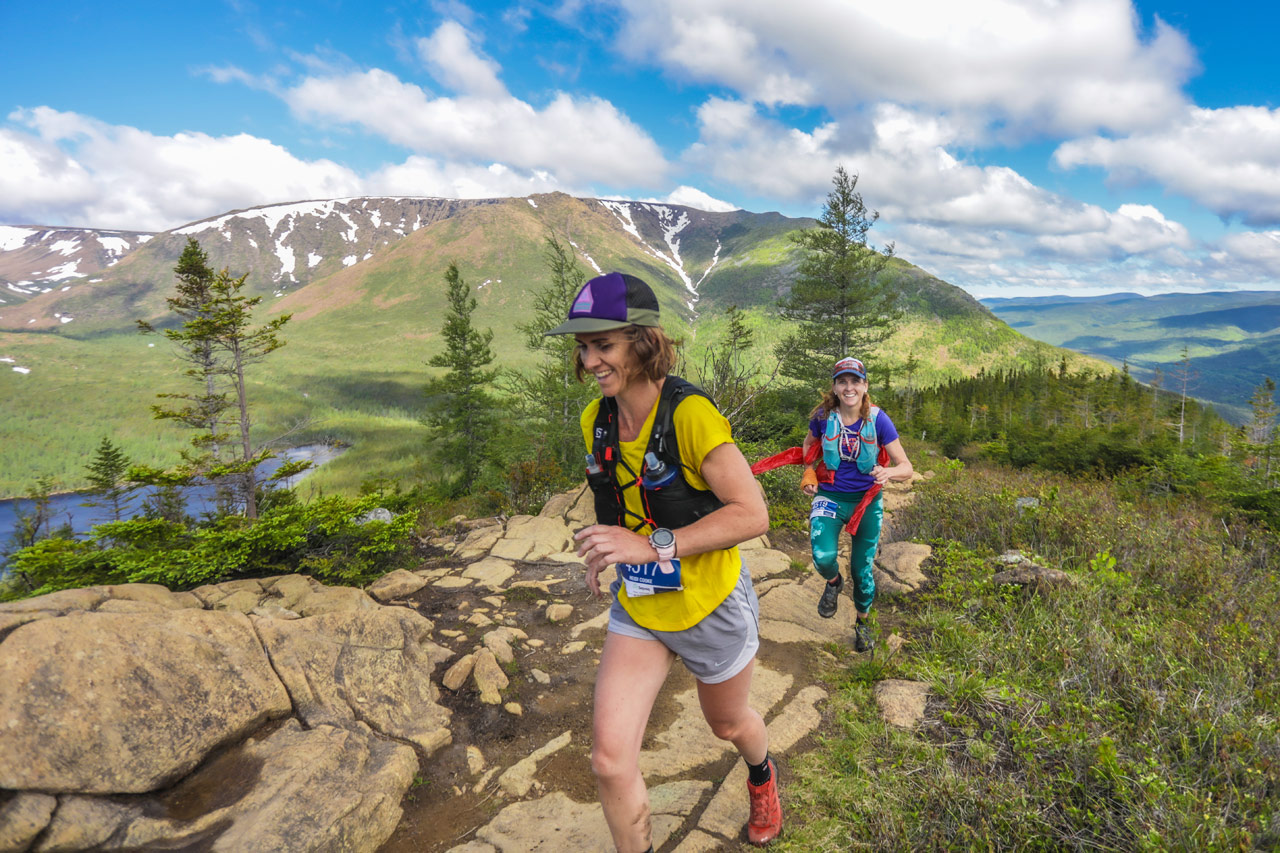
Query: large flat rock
point(128, 702)
point(374, 666)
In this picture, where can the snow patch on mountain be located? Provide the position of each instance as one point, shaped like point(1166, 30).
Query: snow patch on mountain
point(12, 237)
point(588, 258)
point(672, 223)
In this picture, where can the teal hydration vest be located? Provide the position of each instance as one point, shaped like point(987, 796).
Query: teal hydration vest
point(868, 445)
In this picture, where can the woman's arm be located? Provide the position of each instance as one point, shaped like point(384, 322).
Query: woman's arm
point(900, 470)
point(809, 484)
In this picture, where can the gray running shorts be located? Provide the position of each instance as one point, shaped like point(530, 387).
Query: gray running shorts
point(718, 647)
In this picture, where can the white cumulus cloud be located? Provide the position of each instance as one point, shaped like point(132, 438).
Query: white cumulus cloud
point(75, 170)
point(455, 63)
point(578, 139)
point(1225, 159)
point(1068, 66)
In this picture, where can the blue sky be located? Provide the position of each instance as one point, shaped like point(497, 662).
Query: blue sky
point(1011, 148)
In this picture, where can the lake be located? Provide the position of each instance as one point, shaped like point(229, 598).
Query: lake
point(70, 509)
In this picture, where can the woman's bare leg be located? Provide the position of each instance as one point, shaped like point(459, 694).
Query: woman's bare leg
point(630, 675)
point(727, 710)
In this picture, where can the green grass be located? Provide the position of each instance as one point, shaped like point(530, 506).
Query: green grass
point(1137, 710)
point(354, 374)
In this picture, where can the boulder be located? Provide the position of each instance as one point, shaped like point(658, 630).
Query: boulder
point(491, 572)
point(902, 561)
point(397, 584)
point(323, 789)
point(128, 702)
point(24, 816)
point(562, 504)
point(583, 512)
point(559, 612)
point(373, 666)
point(901, 702)
point(459, 673)
point(489, 677)
point(545, 536)
point(762, 562)
point(500, 646)
point(1033, 578)
point(479, 542)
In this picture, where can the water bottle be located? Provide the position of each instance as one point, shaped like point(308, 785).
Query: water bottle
point(656, 472)
point(593, 467)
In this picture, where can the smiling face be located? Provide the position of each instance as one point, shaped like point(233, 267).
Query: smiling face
point(849, 391)
point(609, 357)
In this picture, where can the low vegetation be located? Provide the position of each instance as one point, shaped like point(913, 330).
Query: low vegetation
point(1134, 710)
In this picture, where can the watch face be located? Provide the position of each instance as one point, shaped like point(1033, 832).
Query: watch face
point(662, 538)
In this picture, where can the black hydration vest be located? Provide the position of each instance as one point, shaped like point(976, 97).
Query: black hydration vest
point(676, 503)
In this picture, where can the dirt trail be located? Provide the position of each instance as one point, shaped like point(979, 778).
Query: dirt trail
point(459, 803)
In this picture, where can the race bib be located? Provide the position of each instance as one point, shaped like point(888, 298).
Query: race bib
point(650, 578)
point(823, 508)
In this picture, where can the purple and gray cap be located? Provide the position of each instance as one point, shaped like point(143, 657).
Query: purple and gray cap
point(610, 301)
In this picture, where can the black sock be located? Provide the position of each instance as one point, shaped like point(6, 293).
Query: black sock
point(835, 580)
point(758, 774)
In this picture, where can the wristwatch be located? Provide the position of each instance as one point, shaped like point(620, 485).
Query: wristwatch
point(664, 542)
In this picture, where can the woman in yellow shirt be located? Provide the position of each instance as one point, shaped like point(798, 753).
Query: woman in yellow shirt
point(674, 497)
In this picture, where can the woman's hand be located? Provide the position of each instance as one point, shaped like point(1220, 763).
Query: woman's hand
point(809, 482)
point(901, 469)
point(602, 545)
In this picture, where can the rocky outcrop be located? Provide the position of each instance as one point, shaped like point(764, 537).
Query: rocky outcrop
point(901, 702)
point(116, 703)
point(283, 714)
point(133, 716)
point(321, 789)
point(1029, 575)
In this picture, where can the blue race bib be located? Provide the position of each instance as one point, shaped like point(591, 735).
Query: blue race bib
point(650, 578)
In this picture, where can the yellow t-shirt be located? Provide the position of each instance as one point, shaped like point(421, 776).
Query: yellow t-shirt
point(708, 578)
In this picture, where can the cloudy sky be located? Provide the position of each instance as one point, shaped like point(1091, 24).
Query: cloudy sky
point(1012, 147)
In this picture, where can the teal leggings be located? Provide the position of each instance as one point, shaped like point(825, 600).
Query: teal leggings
point(824, 539)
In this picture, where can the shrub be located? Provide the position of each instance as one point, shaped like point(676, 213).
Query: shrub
point(323, 538)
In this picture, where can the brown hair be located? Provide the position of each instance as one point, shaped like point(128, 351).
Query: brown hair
point(830, 403)
point(655, 353)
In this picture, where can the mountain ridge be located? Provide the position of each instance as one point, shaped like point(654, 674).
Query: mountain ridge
point(362, 333)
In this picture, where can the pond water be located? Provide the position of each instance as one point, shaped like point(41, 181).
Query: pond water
point(70, 508)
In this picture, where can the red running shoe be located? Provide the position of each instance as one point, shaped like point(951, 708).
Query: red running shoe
point(766, 809)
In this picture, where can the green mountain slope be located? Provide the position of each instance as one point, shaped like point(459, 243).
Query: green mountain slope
point(1232, 339)
point(362, 332)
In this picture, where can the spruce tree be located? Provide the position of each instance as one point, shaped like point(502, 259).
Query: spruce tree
point(218, 341)
point(552, 397)
point(1260, 437)
point(461, 412)
point(108, 478)
point(242, 345)
point(733, 381)
point(841, 299)
point(194, 344)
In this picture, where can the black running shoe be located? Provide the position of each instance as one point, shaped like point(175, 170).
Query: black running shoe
point(863, 639)
point(830, 598)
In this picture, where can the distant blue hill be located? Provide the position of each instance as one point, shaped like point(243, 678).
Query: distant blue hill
point(1257, 319)
point(1232, 337)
